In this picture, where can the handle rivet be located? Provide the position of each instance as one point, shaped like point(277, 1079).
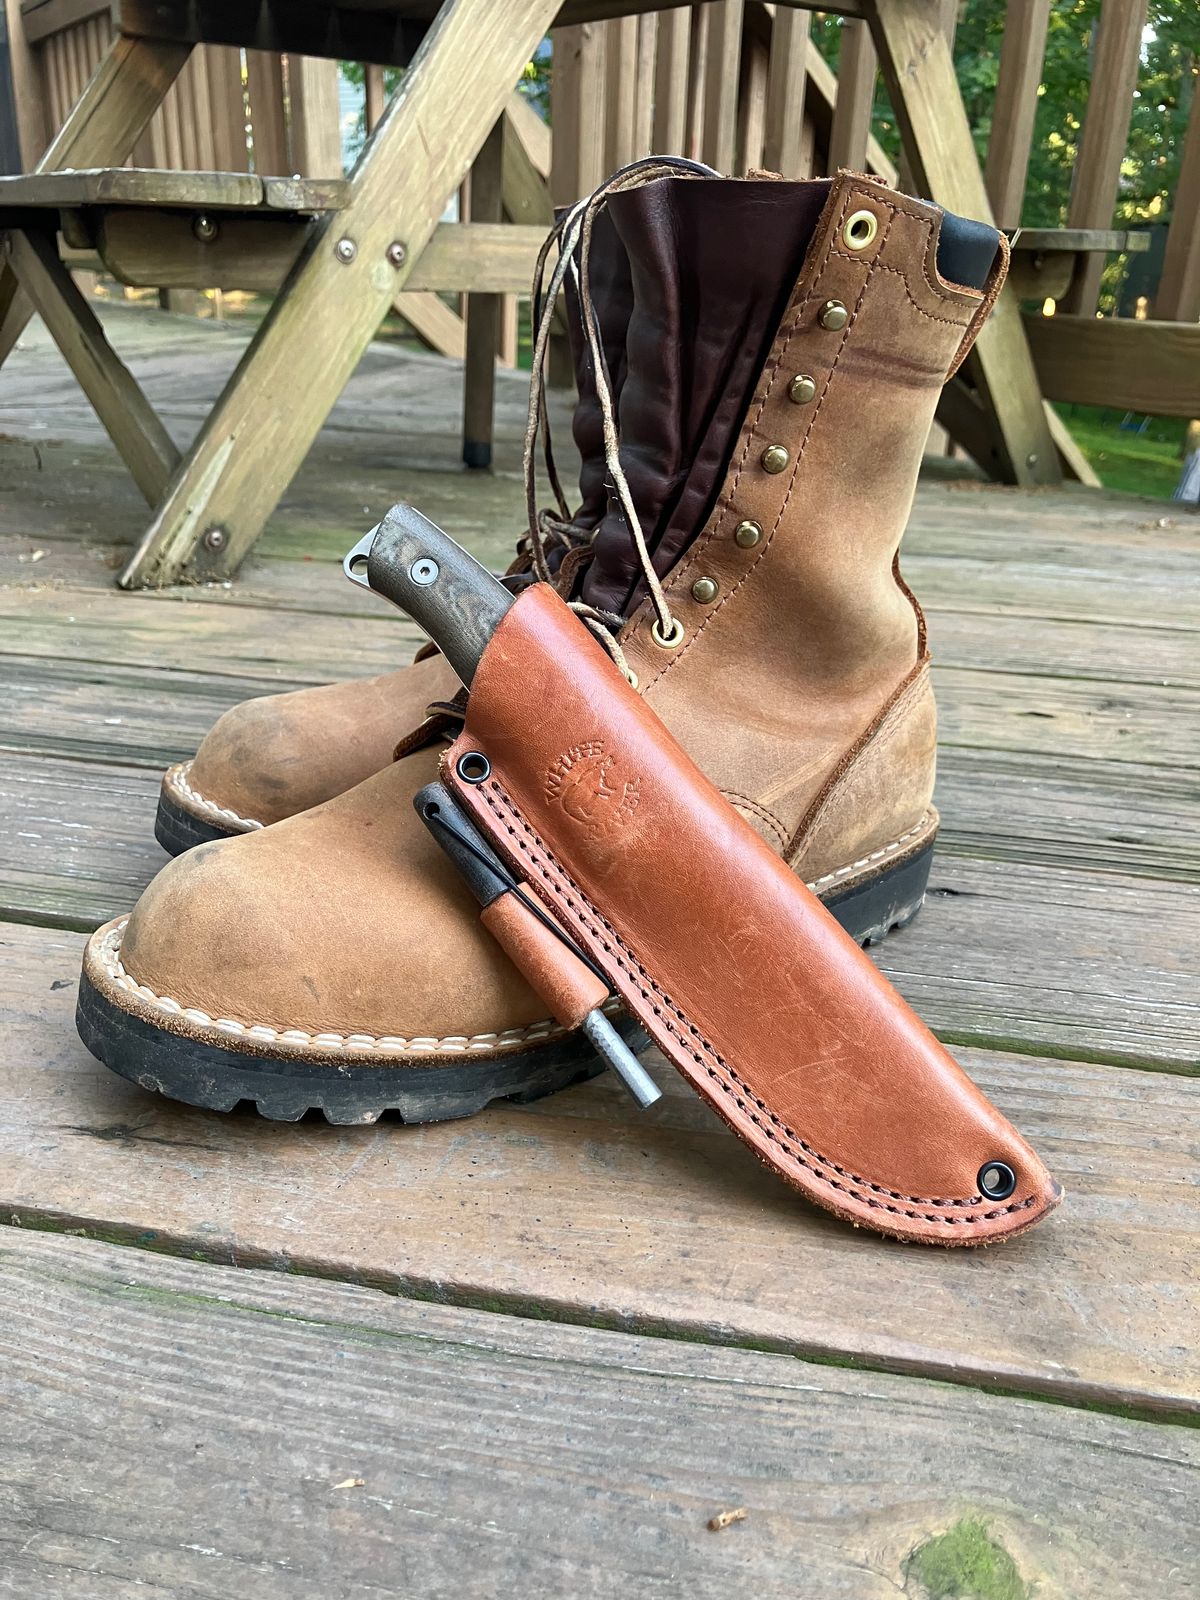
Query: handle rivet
point(424, 572)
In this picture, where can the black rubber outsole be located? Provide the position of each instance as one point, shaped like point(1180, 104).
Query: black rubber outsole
point(178, 830)
point(283, 1089)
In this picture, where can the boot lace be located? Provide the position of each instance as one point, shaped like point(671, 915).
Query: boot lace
point(573, 237)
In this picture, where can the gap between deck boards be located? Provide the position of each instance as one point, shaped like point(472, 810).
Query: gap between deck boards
point(582, 1209)
point(502, 1455)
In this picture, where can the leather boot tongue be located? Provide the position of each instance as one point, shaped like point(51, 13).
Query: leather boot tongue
point(713, 263)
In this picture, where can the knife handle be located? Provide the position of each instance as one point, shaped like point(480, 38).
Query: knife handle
point(417, 566)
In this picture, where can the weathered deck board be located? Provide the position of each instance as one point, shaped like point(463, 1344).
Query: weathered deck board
point(111, 712)
point(586, 1210)
point(555, 1456)
point(201, 1419)
point(174, 631)
point(1035, 957)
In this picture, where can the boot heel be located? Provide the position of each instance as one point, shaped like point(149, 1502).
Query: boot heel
point(885, 902)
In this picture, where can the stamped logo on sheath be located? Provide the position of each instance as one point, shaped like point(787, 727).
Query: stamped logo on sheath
point(583, 783)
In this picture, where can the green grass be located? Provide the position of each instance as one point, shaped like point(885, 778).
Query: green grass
point(966, 1563)
point(1138, 463)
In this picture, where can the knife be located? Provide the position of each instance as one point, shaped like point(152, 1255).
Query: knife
point(413, 563)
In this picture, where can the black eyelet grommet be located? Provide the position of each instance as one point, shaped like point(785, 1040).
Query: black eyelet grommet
point(473, 767)
point(996, 1180)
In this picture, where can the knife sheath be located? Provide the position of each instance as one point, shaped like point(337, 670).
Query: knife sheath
point(739, 974)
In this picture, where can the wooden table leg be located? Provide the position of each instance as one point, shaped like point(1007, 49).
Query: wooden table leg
point(915, 58)
point(131, 422)
point(339, 290)
point(109, 117)
point(484, 312)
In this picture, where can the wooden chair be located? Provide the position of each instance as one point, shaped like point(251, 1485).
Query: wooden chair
point(339, 254)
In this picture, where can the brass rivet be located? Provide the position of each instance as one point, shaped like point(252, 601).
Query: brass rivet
point(775, 458)
point(860, 229)
point(704, 590)
point(747, 534)
point(802, 389)
point(833, 315)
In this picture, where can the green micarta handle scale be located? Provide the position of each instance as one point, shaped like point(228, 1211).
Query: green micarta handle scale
point(418, 567)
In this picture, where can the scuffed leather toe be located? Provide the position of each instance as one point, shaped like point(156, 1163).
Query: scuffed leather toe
point(345, 921)
point(281, 754)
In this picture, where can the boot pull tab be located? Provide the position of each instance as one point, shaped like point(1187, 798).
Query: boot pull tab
point(993, 286)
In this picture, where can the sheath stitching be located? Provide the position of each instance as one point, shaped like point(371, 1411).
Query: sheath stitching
point(551, 870)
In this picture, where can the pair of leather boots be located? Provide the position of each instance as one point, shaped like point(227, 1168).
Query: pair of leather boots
point(758, 365)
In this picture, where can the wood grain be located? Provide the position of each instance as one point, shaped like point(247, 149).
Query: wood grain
point(1178, 295)
point(1042, 929)
point(111, 711)
point(1119, 362)
point(199, 1446)
point(79, 843)
point(917, 67)
point(176, 631)
point(1018, 80)
point(1115, 56)
point(593, 1212)
point(322, 322)
point(128, 417)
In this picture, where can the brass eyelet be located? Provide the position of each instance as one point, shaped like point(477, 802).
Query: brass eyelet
point(670, 640)
point(860, 230)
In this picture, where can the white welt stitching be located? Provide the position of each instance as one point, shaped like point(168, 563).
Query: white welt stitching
point(876, 855)
point(177, 779)
point(110, 960)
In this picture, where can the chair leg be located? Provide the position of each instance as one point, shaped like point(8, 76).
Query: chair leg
point(131, 422)
point(106, 122)
point(339, 291)
point(915, 57)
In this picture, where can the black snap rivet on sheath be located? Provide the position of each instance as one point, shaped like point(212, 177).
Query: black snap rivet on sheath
point(473, 767)
point(996, 1180)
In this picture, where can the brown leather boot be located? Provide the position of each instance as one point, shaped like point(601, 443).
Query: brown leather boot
point(334, 959)
point(281, 754)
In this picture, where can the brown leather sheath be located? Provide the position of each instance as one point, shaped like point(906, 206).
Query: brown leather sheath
point(738, 973)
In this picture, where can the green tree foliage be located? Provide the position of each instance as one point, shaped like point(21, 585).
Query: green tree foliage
point(1167, 80)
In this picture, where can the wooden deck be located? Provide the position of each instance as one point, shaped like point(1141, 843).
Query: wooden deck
point(533, 1353)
